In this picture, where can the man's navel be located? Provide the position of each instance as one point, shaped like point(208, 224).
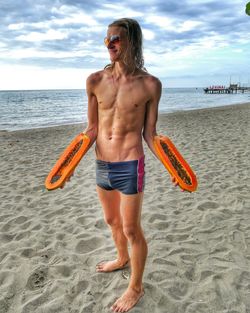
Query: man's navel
point(111, 135)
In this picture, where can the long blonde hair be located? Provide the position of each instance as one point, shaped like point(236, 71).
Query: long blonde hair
point(134, 53)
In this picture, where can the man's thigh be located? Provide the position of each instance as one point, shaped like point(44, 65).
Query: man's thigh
point(131, 206)
point(110, 201)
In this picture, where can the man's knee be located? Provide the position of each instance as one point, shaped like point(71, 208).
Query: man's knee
point(131, 232)
point(112, 221)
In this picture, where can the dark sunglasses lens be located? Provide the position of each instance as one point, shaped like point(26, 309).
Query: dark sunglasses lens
point(112, 39)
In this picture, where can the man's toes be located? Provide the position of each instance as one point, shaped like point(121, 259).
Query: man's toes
point(119, 309)
point(99, 266)
point(113, 307)
point(122, 308)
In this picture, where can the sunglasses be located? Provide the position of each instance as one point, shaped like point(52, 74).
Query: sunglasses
point(112, 39)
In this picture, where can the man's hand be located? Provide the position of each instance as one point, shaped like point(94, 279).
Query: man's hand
point(176, 183)
point(68, 179)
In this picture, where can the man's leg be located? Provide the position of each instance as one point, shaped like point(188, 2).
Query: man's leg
point(131, 206)
point(110, 201)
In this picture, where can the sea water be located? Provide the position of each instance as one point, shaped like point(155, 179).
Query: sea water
point(27, 109)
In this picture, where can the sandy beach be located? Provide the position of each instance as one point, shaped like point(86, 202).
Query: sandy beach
point(199, 243)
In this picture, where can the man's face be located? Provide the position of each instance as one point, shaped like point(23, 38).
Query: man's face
point(116, 42)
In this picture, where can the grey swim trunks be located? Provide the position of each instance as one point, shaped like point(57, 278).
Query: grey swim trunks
point(128, 177)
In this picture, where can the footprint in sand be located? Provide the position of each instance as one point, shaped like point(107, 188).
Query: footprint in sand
point(20, 220)
point(244, 281)
point(157, 217)
point(80, 288)
point(207, 205)
point(178, 290)
point(160, 276)
point(62, 271)
point(88, 245)
point(223, 288)
point(37, 280)
point(198, 308)
point(238, 240)
point(27, 252)
point(84, 220)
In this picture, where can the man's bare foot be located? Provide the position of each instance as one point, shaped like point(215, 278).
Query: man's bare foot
point(127, 301)
point(110, 266)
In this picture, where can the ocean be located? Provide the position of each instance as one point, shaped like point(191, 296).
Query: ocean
point(30, 109)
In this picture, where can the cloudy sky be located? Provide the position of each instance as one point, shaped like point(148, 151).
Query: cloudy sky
point(57, 44)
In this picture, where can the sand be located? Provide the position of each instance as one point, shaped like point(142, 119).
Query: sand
point(199, 255)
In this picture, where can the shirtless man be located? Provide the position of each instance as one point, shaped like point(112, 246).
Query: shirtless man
point(122, 108)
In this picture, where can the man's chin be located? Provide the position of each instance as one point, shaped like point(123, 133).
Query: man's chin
point(114, 57)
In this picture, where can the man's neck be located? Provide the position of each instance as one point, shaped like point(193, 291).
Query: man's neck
point(122, 70)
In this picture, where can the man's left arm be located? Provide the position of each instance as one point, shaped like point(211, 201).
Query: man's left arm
point(151, 114)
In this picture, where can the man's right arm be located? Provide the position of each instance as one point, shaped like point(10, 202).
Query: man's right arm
point(92, 126)
point(149, 131)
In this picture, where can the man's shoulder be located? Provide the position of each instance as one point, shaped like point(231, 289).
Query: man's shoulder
point(151, 81)
point(145, 75)
point(94, 78)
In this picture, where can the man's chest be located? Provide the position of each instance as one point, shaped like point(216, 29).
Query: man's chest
point(123, 97)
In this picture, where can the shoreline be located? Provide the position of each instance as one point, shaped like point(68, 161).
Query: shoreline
point(161, 115)
point(198, 243)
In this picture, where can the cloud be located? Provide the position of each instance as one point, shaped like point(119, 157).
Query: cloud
point(42, 78)
point(178, 36)
point(51, 34)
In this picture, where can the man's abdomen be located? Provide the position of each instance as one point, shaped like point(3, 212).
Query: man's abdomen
point(118, 148)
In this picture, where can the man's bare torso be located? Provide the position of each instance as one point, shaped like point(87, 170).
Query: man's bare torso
point(122, 105)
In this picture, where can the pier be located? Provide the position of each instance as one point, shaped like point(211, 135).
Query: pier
point(233, 88)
